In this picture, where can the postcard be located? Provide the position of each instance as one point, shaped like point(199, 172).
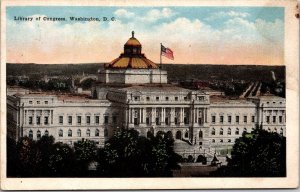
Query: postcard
point(149, 95)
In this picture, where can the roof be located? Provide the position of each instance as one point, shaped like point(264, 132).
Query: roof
point(133, 62)
point(156, 88)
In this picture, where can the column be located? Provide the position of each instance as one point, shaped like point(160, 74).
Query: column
point(172, 116)
point(144, 115)
point(153, 115)
point(34, 117)
point(205, 111)
point(51, 116)
point(126, 117)
point(163, 115)
point(181, 115)
point(140, 116)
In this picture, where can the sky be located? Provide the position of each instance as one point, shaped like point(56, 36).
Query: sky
point(196, 35)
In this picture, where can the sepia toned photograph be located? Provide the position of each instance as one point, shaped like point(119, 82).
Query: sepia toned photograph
point(131, 91)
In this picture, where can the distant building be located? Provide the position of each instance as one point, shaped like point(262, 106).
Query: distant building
point(132, 92)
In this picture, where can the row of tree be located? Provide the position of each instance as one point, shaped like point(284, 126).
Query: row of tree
point(126, 154)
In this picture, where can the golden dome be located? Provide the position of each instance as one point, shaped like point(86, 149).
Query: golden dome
point(132, 57)
point(133, 41)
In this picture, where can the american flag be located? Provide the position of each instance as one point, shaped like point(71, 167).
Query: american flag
point(166, 52)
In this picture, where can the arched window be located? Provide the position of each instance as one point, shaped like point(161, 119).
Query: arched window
point(229, 140)
point(178, 135)
point(97, 133)
point(38, 134)
point(229, 131)
point(269, 130)
point(245, 130)
point(105, 132)
point(30, 134)
point(221, 140)
point(275, 130)
point(78, 133)
point(60, 133)
point(186, 135)
point(221, 131)
point(281, 132)
point(213, 131)
point(213, 141)
point(88, 132)
point(69, 133)
point(46, 133)
point(200, 134)
point(237, 131)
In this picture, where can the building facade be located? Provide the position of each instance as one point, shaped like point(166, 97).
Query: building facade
point(132, 92)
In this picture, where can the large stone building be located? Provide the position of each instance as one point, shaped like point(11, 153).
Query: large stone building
point(133, 92)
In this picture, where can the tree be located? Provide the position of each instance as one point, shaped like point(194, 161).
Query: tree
point(12, 158)
point(85, 153)
point(62, 161)
point(257, 154)
point(127, 154)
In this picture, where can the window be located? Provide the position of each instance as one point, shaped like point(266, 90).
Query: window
point(245, 130)
point(176, 98)
point(97, 133)
point(46, 102)
point(30, 102)
point(30, 134)
point(229, 131)
point(186, 120)
point(88, 132)
point(237, 119)
point(274, 119)
point(186, 135)
point(229, 119)
point(185, 98)
point(221, 140)
point(46, 120)
point(253, 119)
point(38, 120)
point(60, 133)
point(61, 119)
point(268, 119)
point(70, 120)
point(213, 141)
point(97, 119)
point(79, 120)
point(237, 131)
point(105, 132)
point(148, 98)
point(30, 120)
point(157, 98)
point(221, 131)
point(69, 133)
point(167, 121)
point(221, 119)
point(245, 119)
point(114, 119)
point(157, 121)
point(167, 98)
point(176, 121)
point(88, 120)
point(281, 132)
point(38, 134)
point(229, 140)
point(105, 119)
point(136, 98)
point(147, 120)
point(213, 131)
point(38, 102)
point(213, 119)
point(78, 133)
point(46, 133)
point(280, 119)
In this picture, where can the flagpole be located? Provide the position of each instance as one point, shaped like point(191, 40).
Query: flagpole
point(160, 64)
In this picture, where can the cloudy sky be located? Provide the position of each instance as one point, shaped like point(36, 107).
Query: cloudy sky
point(197, 35)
